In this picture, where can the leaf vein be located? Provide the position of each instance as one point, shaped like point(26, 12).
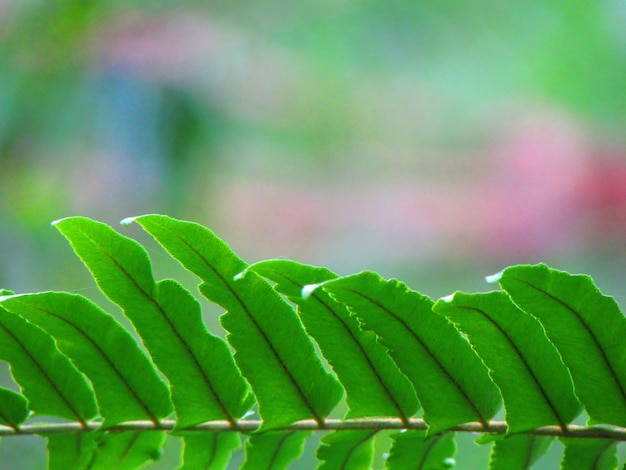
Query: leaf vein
point(278, 448)
point(355, 340)
point(173, 328)
point(589, 330)
point(266, 339)
point(346, 461)
point(434, 440)
point(104, 356)
point(483, 420)
point(47, 377)
point(521, 356)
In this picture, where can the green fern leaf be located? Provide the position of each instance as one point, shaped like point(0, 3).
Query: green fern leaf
point(13, 408)
point(535, 385)
point(415, 450)
point(451, 382)
point(72, 450)
point(547, 337)
point(205, 385)
point(373, 383)
point(210, 450)
point(48, 380)
point(518, 452)
point(586, 327)
point(589, 454)
point(126, 384)
point(271, 348)
point(274, 450)
point(126, 450)
point(347, 450)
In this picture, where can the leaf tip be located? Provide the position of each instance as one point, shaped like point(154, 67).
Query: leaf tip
point(127, 221)
point(241, 275)
point(448, 298)
point(58, 221)
point(308, 290)
point(494, 278)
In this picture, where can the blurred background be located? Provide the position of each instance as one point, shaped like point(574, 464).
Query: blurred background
point(436, 141)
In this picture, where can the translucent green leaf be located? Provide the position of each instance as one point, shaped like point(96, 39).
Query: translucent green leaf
point(586, 327)
point(589, 454)
point(205, 383)
point(13, 408)
point(71, 450)
point(451, 382)
point(413, 449)
point(374, 385)
point(271, 348)
point(127, 450)
point(274, 450)
point(208, 450)
point(125, 382)
point(518, 452)
point(47, 378)
point(347, 450)
point(535, 385)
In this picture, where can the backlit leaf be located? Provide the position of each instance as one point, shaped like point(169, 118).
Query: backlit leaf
point(518, 452)
point(586, 327)
point(535, 385)
point(451, 382)
point(271, 348)
point(125, 382)
point(13, 408)
point(347, 450)
point(589, 454)
point(414, 449)
point(209, 450)
point(547, 337)
point(48, 380)
point(205, 384)
point(126, 450)
point(71, 450)
point(273, 450)
point(374, 385)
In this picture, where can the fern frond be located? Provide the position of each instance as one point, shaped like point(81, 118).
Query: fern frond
point(535, 385)
point(373, 383)
point(124, 380)
point(545, 346)
point(451, 382)
point(271, 347)
point(205, 385)
point(586, 327)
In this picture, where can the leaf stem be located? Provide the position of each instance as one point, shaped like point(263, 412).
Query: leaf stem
point(247, 426)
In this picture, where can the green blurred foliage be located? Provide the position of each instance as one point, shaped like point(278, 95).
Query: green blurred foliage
point(572, 52)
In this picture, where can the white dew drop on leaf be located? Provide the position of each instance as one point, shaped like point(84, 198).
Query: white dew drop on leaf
point(241, 275)
point(494, 278)
point(128, 220)
point(448, 298)
point(308, 290)
point(55, 222)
